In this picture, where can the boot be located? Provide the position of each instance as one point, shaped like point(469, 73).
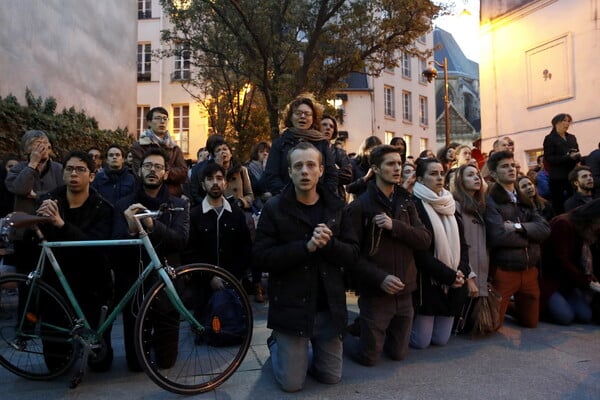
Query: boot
point(259, 293)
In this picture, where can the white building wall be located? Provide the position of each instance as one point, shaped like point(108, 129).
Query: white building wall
point(81, 53)
point(161, 91)
point(364, 112)
point(559, 36)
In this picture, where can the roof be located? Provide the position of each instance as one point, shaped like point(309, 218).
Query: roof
point(458, 64)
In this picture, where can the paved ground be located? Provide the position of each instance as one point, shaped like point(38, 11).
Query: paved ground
point(550, 362)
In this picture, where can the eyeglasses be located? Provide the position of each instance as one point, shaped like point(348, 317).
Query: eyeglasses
point(149, 166)
point(300, 113)
point(163, 119)
point(78, 170)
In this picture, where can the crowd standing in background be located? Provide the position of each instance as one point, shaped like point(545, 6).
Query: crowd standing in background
point(422, 241)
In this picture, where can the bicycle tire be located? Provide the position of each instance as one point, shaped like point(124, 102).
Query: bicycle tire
point(41, 348)
point(177, 357)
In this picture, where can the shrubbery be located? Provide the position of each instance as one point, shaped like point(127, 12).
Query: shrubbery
point(68, 130)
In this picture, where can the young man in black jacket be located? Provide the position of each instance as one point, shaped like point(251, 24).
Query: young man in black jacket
point(299, 242)
point(168, 233)
point(78, 212)
point(388, 225)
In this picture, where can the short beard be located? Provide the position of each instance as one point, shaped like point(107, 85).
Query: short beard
point(152, 186)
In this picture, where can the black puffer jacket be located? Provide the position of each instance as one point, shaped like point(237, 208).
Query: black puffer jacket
point(295, 275)
point(511, 250)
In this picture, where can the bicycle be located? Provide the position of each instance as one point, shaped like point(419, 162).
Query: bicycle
point(37, 320)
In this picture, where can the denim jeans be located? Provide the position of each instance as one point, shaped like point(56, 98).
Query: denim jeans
point(292, 358)
point(430, 329)
point(571, 307)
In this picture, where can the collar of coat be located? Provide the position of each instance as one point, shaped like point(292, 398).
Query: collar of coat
point(501, 196)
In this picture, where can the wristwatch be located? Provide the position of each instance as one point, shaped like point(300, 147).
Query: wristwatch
point(518, 227)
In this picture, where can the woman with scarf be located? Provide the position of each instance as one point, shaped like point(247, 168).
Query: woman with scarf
point(301, 123)
point(444, 267)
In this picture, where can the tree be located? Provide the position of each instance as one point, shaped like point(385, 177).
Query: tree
point(68, 130)
point(286, 47)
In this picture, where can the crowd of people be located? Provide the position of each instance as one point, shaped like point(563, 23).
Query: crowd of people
point(419, 240)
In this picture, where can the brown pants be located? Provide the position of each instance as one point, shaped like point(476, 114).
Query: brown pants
point(524, 286)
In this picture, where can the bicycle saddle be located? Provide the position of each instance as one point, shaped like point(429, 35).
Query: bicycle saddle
point(19, 219)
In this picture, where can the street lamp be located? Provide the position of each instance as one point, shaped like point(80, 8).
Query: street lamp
point(430, 74)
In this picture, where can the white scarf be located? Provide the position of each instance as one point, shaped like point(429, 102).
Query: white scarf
point(440, 210)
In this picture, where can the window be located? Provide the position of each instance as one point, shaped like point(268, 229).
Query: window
point(405, 61)
point(141, 119)
point(408, 140)
point(423, 144)
point(406, 106)
point(144, 9)
point(423, 107)
point(532, 156)
point(181, 126)
point(422, 67)
point(388, 135)
point(181, 66)
point(422, 39)
point(389, 111)
point(144, 62)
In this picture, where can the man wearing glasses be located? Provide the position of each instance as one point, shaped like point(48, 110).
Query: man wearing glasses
point(78, 212)
point(169, 235)
point(157, 137)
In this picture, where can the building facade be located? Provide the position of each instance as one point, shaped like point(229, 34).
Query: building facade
point(69, 51)
point(400, 102)
point(159, 83)
point(537, 60)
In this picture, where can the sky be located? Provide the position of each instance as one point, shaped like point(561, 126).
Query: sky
point(465, 29)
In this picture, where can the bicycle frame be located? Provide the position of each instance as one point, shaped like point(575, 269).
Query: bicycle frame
point(154, 264)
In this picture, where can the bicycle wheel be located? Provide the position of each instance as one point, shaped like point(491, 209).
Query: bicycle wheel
point(180, 358)
point(38, 345)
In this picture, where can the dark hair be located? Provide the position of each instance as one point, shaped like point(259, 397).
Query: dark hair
point(335, 127)
point(496, 157)
point(538, 201)
point(160, 110)
point(378, 153)
point(303, 146)
point(211, 140)
point(362, 154)
point(442, 154)
point(154, 151)
point(83, 156)
point(470, 204)
point(574, 174)
point(258, 147)
point(423, 154)
point(210, 169)
point(216, 143)
point(558, 118)
point(394, 142)
point(114, 146)
point(423, 164)
point(291, 107)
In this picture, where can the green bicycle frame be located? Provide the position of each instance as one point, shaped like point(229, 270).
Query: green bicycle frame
point(154, 264)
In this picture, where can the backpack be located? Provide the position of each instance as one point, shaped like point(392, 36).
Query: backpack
point(224, 319)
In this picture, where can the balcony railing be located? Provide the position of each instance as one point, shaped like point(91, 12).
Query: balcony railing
point(181, 75)
point(147, 14)
point(144, 76)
